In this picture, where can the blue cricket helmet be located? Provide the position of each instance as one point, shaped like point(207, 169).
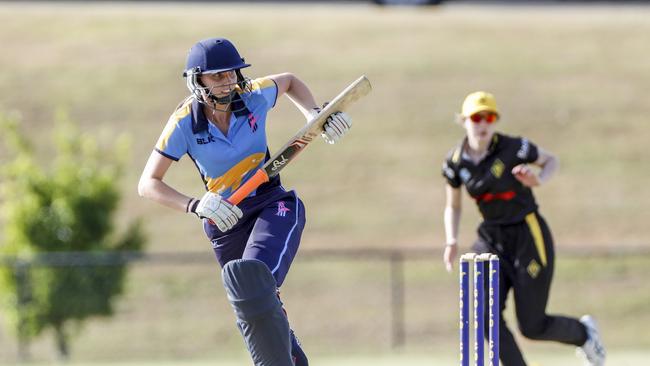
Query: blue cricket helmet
point(213, 55)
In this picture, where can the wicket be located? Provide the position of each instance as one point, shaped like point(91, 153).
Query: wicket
point(479, 261)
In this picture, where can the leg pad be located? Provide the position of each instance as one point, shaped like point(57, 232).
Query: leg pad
point(251, 290)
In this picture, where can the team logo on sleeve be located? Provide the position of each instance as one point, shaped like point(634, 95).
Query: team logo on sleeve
point(465, 175)
point(449, 173)
point(523, 150)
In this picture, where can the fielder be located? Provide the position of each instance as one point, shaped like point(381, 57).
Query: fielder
point(494, 169)
point(221, 126)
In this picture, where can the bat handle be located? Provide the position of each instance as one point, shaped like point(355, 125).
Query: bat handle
point(251, 184)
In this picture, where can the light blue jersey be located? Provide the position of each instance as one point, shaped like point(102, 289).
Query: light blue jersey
point(225, 162)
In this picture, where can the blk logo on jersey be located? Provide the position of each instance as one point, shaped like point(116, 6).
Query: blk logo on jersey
point(205, 140)
point(252, 122)
point(282, 209)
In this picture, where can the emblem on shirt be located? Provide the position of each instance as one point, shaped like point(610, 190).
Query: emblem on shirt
point(497, 168)
point(282, 209)
point(252, 122)
point(465, 175)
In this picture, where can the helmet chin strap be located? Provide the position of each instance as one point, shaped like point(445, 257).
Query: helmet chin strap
point(221, 101)
point(231, 102)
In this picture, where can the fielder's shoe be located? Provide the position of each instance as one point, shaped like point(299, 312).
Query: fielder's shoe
point(592, 351)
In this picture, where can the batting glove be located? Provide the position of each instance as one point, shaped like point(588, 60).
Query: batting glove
point(214, 207)
point(336, 126)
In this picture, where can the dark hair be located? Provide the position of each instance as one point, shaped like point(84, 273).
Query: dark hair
point(244, 82)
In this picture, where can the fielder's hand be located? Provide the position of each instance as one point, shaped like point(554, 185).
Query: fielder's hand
point(525, 175)
point(449, 257)
point(336, 126)
point(214, 207)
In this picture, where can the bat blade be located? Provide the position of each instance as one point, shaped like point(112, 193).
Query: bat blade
point(358, 89)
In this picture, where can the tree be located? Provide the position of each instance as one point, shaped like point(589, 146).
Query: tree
point(68, 208)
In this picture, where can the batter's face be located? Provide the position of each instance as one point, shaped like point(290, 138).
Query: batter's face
point(480, 126)
point(220, 84)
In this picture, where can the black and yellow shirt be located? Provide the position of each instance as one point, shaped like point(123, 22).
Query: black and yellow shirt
point(500, 197)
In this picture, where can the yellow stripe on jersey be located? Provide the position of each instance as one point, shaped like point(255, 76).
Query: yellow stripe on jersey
point(262, 83)
point(173, 121)
point(455, 158)
point(536, 231)
point(233, 177)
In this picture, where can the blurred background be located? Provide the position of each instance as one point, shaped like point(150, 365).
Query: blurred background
point(368, 285)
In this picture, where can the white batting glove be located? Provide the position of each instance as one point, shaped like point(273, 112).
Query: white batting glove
point(336, 126)
point(214, 207)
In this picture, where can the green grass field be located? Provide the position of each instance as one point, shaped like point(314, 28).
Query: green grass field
point(573, 79)
point(619, 359)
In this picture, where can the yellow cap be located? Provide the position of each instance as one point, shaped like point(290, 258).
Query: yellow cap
point(479, 101)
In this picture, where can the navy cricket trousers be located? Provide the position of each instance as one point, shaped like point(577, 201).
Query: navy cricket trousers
point(269, 231)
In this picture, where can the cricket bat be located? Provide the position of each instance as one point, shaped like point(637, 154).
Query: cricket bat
point(302, 138)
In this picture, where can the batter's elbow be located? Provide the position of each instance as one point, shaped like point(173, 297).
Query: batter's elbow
point(142, 188)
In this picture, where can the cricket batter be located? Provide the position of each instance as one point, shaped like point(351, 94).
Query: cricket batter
point(221, 126)
point(494, 168)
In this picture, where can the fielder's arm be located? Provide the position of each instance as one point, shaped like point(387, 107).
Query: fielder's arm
point(452, 214)
point(452, 221)
point(548, 164)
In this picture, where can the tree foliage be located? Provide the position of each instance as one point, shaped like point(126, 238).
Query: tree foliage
point(70, 205)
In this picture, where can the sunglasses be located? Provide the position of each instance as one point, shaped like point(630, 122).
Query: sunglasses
point(488, 117)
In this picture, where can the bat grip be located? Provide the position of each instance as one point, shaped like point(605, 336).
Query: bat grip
point(251, 184)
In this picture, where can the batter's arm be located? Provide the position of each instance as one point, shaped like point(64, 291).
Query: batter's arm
point(152, 186)
point(297, 91)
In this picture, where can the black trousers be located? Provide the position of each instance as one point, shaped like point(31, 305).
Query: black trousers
point(526, 254)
